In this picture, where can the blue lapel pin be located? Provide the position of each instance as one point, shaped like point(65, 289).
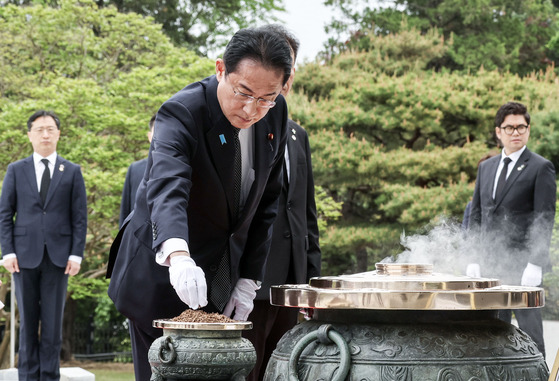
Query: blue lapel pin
point(222, 139)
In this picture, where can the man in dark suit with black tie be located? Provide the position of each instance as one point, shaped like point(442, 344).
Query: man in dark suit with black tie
point(134, 176)
point(513, 211)
point(295, 252)
point(43, 244)
point(200, 231)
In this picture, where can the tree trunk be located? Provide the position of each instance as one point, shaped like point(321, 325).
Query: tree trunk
point(66, 353)
point(5, 345)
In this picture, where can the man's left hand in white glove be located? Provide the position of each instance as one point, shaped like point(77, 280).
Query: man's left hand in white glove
point(242, 299)
point(532, 276)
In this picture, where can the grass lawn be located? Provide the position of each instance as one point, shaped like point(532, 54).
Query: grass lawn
point(105, 371)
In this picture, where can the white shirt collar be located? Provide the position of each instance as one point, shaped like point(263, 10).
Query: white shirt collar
point(513, 156)
point(51, 158)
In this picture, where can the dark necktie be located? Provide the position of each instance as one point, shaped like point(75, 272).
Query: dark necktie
point(45, 181)
point(285, 176)
point(221, 284)
point(502, 178)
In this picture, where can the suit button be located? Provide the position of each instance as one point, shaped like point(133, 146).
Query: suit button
point(287, 235)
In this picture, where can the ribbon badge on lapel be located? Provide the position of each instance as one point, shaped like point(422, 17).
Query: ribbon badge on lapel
point(222, 139)
point(61, 168)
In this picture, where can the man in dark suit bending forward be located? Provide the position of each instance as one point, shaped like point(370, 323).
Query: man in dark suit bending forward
point(200, 231)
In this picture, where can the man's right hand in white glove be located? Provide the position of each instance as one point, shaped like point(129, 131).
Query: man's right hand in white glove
point(188, 281)
point(473, 270)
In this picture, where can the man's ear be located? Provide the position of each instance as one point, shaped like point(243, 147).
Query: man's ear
point(219, 69)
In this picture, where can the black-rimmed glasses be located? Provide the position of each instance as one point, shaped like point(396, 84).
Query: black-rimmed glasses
point(509, 130)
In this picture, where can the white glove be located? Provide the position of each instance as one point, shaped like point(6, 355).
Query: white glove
point(189, 281)
point(242, 299)
point(473, 270)
point(532, 276)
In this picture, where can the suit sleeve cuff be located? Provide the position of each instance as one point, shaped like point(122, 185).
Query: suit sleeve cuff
point(167, 248)
point(75, 258)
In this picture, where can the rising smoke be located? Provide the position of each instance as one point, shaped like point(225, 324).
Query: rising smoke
point(502, 253)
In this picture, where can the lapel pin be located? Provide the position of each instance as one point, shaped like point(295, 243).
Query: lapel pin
point(293, 131)
point(222, 139)
point(521, 167)
point(293, 137)
point(270, 136)
point(61, 168)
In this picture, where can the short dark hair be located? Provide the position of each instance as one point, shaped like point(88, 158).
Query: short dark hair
point(152, 122)
point(283, 31)
point(41, 113)
point(263, 46)
point(511, 108)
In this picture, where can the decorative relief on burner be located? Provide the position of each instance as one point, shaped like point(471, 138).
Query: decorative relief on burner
point(500, 373)
point(521, 342)
point(395, 373)
point(449, 375)
point(469, 351)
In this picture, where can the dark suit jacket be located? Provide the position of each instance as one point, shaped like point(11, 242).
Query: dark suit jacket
point(187, 193)
point(516, 227)
point(295, 253)
point(134, 177)
point(60, 224)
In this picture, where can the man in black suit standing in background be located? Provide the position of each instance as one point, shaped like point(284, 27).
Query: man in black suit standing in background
point(295, 252)
point(513, 211)
point(43, 244)
point(134, 176)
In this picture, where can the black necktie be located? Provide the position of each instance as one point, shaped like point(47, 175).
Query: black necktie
point(221, 284)
point(45, 181)
point(285, 176)
point(237, 173)
point(502, 178)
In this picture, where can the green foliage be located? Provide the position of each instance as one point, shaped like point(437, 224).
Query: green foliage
point(352, 249)
point(444, 109)
point(198, 25)
point(551, 280)
point(494, 34)
point(399, 146)
point(105, 74)
point(327, 209)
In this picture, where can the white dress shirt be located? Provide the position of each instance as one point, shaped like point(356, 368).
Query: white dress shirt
point(514, 158)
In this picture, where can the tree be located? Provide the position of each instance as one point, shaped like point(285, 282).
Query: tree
point(494, 34)
point(105, 73)
point(201, 26)
point(398, 143)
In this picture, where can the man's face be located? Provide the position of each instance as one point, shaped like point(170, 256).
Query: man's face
point(250, 78)
point(44, 135)
point(516, 141)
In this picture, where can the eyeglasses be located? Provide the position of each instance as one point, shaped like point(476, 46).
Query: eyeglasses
point(249, 99)
point(41, 130)
point(509, 130)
